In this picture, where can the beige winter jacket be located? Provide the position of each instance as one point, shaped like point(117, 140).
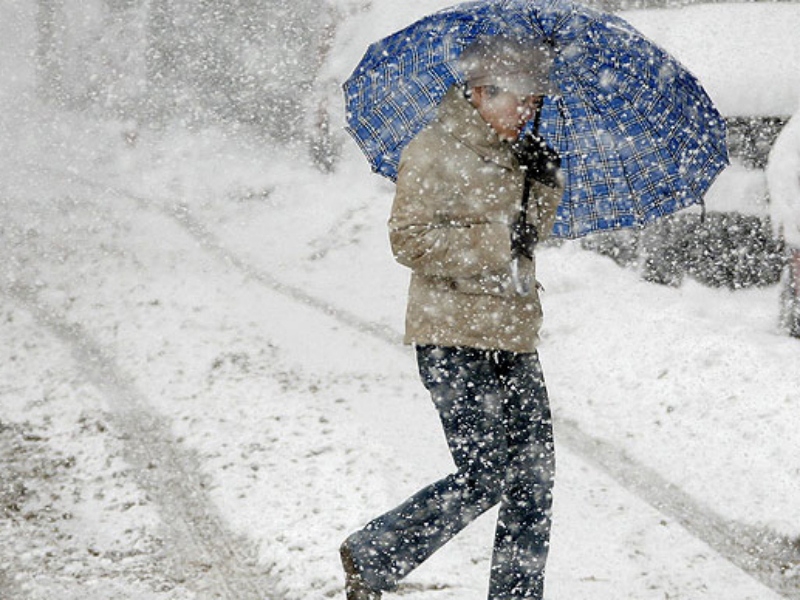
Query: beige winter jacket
point(459, 188)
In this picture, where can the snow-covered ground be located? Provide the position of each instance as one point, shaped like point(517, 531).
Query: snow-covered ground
point(203, 389)
point(251, 303)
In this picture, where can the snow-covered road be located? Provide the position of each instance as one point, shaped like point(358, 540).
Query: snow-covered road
point(203, 392)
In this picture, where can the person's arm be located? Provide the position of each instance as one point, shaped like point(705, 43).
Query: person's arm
point(425, 239)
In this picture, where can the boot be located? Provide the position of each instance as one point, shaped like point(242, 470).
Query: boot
point(354, 586)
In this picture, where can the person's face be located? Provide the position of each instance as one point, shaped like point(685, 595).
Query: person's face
point(505, 111)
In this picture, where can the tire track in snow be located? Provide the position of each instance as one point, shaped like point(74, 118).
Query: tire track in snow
point(179, 212)
point(201, 553)
point(766, 556)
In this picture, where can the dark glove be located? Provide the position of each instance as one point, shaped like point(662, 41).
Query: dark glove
point(523, 239)
point(540, 160)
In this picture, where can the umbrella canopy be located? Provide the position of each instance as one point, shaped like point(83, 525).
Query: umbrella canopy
point(638, 136)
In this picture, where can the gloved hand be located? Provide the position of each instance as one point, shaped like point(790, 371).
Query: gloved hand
point(538, 158)
point(523, 239)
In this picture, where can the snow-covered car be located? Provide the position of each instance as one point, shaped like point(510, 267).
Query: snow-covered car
point(746, 56)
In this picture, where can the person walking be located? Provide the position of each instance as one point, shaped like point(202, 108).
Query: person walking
point(783, 179)
point(473, 200)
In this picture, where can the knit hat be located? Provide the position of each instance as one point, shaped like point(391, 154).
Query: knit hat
point(523, 67)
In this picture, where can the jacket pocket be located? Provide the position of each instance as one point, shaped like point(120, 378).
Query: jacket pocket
point(483, 285)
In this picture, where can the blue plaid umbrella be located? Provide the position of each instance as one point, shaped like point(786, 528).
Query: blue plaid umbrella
point(638, 136)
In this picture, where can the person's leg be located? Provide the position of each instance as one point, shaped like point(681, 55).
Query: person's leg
point(464, 385)
point(523, 529)
point(790, 293)
point(794, 291)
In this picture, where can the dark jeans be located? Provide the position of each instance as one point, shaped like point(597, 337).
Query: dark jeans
point(496, 417)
